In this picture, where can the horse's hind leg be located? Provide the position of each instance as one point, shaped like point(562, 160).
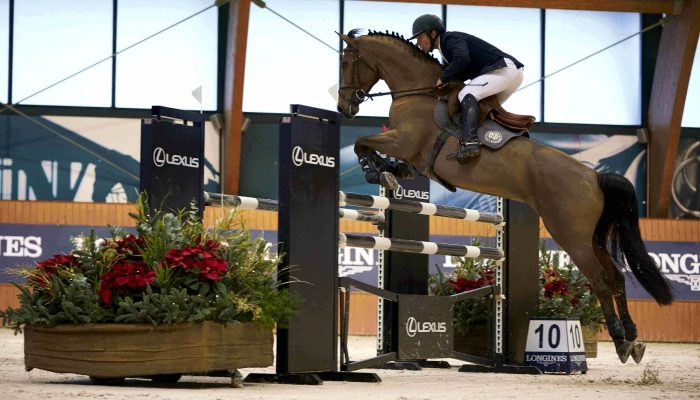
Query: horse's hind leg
point(575, 238)
point(617, 279)
point(584, 257)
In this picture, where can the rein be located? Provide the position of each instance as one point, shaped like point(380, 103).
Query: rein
point(431, 88)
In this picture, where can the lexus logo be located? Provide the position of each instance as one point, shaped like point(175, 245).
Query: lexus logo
point(159, 157)
point(413, 327)
point(400, 193)
point(299, 157)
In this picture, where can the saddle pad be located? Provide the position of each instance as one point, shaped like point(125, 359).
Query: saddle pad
point(493, 135)
point(490, 133)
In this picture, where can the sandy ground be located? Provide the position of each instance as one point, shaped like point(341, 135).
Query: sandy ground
point(668, 371)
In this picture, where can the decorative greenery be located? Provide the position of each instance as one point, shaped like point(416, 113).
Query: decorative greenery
point(565, 292)
point(469, 274)
point(174, 270)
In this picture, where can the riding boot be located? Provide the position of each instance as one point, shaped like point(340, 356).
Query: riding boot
point(469, 146)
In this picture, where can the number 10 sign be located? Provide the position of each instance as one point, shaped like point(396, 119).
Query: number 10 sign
point(555, 345)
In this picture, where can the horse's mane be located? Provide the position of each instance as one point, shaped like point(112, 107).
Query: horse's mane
point(355, 33)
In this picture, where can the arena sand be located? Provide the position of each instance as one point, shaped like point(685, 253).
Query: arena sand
point(668, 371)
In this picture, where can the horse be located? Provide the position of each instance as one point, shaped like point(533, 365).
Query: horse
point(592, 216)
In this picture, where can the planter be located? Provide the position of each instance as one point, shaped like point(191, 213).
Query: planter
point(137, 350)
point(474, 342)
point(590, 340)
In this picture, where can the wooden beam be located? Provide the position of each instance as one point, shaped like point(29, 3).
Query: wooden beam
point(647, 7)
point(239, 13)
point(674, 62)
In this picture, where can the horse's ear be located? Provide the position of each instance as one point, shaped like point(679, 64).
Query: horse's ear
point(347, 39)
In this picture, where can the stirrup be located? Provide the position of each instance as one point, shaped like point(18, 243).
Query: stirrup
point(466, 151)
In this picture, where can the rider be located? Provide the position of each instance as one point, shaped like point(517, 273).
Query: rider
point(468, 58)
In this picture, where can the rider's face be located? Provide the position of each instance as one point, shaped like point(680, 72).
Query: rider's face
point(423, 41)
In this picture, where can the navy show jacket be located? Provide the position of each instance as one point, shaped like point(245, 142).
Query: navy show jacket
point(467, 57)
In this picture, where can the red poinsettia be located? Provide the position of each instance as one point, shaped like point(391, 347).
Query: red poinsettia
point(463, 284)
point(129, 247)
point(554, 284)
point(47, 268)
point(123, 277)
point(202, 258)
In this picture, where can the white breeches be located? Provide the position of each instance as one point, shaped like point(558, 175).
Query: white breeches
point(502, 82)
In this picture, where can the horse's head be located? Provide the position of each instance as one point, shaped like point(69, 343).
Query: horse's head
point(357, 77)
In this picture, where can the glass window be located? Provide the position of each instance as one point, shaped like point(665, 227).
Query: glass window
point(165, 69)
point(691, 114)
point(383, 16)
point(285, 65)
point(516, 31)
point(54, 39)
point(604, 89)
point(4, 47)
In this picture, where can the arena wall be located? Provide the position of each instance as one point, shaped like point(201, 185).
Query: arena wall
point(676, 323)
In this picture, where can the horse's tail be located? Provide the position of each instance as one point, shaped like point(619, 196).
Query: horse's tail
point(619, 223)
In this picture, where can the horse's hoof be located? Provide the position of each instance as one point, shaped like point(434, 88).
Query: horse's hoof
point(624, 350)
point(388, 180)
point(638, 351)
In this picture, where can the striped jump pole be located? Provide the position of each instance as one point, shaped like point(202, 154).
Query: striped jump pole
point(253, 203)
point(415, 246)
point(418, 207)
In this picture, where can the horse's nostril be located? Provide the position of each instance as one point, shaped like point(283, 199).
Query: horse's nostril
point(340, 109)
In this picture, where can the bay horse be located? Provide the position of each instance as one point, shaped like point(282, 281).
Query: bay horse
point(592, 216)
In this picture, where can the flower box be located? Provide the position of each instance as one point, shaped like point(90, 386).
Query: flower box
point(136, 350)
point(590, 340)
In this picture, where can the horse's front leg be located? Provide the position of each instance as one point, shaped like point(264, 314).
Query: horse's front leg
point(377, 169)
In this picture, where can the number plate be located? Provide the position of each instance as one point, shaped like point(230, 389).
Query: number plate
point(555, 345)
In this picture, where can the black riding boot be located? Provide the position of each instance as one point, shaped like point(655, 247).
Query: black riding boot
point(469, 146)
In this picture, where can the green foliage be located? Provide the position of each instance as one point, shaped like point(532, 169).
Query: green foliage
point(469, 274)
point(564, 290)
point(173, 271)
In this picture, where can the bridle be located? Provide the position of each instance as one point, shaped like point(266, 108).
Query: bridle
point(359, 95)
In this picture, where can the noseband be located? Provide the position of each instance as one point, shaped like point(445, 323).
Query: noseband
point(358, 95)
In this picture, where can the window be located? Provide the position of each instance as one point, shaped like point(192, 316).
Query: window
point(285, 65)
point(381, 16)
point(516, 31)
point(691, 115)
point(165, 69)
point(604, 89)
point(4, 48)
point(56, 38)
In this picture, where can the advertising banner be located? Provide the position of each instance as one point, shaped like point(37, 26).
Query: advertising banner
point(679, 262)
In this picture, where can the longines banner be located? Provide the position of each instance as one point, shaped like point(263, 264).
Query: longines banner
point(27, 244)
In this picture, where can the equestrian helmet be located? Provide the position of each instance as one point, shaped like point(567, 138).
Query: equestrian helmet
point(427, 23)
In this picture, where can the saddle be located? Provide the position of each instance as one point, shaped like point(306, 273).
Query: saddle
point(492, 117)
point(496, 125)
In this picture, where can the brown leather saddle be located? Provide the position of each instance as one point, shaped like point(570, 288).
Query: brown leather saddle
point(496, 125)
